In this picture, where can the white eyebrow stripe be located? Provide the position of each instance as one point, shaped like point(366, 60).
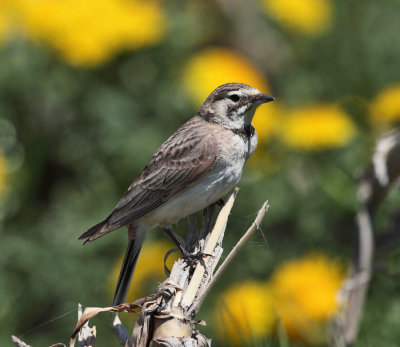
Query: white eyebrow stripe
point(234, 92)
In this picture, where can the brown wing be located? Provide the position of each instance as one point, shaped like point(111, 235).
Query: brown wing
point(181, 160)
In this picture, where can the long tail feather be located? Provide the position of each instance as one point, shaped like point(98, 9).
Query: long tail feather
point(93, 230)
point(98, 230)
point(128, 267)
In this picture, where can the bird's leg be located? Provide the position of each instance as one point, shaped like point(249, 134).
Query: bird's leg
point(192, 235)
point(190, 258)
point(174, 239)
point(208, 215)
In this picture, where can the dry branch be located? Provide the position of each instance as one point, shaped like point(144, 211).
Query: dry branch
point(235, 250)
point(18, 342)
point(87, 335)
point(118, 329)
point(181, 293)
point(374, 186)
point(167, 317)
point(90, 312)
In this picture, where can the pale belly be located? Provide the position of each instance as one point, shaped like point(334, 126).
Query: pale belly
point(210, 188)
point(213, 186)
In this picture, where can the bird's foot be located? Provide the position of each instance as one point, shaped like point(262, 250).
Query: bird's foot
point(192, 259)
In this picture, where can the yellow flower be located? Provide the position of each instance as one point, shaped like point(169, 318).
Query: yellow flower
point(245, 312)
point(90, 32)
point(305, 16)
point(305, 294)
point(3, 25)
point(215, 66)
point(317, 127)
point(149, 270)
point(386, 105)
point(5, 19)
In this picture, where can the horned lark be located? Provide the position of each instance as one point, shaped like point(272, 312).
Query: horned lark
point(196, 167)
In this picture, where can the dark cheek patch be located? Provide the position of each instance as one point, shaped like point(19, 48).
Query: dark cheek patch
point(232, 108)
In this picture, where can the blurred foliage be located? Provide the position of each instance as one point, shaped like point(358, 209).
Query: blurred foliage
point(89, 90)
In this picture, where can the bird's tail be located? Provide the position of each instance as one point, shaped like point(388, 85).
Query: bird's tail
point(136, 238)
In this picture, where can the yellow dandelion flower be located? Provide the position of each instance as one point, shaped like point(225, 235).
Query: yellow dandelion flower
point(305, 294)
point(215, 66)
point(386, 105)
point(90, 32)
point(149, 271)
point(317, 127)
point(245, 312)
point(305, 16)
point(3, 25)
point(5, 19)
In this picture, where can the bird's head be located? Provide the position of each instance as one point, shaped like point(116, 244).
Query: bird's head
point(233, 105)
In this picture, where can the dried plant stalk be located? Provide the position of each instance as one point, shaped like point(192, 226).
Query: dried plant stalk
point(375, 184)
point(167, 316)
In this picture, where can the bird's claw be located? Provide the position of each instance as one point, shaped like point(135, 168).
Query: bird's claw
point(191, 259)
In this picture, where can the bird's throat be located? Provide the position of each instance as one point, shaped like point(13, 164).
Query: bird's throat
point(249, 130)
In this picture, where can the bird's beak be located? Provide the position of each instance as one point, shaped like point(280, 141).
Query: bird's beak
point(262, 98)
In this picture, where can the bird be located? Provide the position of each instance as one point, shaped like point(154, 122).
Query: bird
point(194, 168)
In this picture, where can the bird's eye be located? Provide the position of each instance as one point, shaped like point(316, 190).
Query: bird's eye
point(234, 97)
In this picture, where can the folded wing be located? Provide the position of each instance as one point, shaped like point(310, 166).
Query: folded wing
point(187, 155)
